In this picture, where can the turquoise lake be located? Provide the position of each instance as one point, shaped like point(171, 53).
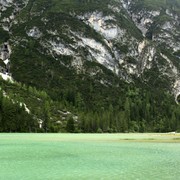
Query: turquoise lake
point(89, 156)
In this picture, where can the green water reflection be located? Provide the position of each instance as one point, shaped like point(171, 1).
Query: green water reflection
point(80, 156)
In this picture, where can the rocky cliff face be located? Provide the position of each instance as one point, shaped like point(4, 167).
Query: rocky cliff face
point(133, 39)
point(159, 25)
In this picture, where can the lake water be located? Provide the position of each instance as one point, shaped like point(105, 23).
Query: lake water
point(89, 156)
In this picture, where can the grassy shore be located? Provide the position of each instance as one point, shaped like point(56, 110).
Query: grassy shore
point(129, 137)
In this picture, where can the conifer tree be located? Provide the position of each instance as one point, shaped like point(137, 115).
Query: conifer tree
point(46, 113)
point(70, 125)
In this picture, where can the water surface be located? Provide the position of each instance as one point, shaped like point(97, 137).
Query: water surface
point(89, 156)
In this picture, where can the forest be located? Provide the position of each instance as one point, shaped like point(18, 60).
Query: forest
point(80, 93)
point(137, 110)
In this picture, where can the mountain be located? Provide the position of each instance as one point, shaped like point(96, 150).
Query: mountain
point(113, 66)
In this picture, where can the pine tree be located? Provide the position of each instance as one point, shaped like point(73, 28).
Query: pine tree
point(8, 115)
point(46, 123)
point(70, 127)
point(79, 102)
point(127, 112)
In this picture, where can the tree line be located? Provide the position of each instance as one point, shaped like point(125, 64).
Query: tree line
point(137, 110)
point(13, 116)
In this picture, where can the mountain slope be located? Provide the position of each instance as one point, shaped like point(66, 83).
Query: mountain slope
point(101, 58)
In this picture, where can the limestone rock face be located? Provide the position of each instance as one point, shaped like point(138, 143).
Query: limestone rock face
point(133, 39)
